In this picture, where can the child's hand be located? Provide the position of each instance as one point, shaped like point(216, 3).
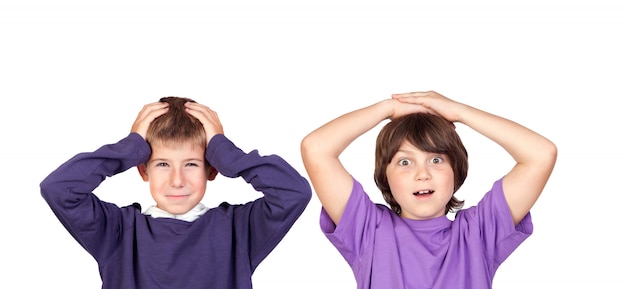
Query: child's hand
point(399, 108)
point(147, 115)
point(433, 102)
point(207, 117)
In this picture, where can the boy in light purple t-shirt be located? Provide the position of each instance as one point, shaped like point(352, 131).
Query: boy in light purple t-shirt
point(420, 164)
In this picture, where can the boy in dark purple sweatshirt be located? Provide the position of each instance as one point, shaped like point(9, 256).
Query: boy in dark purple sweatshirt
point(177, 145)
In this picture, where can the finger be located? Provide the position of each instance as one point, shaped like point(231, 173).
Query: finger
point(148, 109)
point(409, 99)
point(209, 118)
point(409, 94)
point(149, 113)
point(201, 112)
point(153, 111)
point(199, 109)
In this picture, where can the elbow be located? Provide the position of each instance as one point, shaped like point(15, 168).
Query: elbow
point(311, 147)
point(306, 144)
point(548, 157)
point(51, 194)
point(305, 148)
point(305, 192)
point(294, 202)
point(46, 190)
point(552, 153)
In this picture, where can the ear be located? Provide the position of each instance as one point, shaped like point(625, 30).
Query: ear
point(212, 173)
point(143, 171)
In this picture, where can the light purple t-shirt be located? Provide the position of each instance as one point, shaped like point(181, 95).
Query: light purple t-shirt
point(386, 251)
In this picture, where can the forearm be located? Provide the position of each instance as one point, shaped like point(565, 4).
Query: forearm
point(332, 138)
point(523, 144)
point(281, 184)
point(69, 192)
point(84, 172)
point(535, 157)
point(322, 147)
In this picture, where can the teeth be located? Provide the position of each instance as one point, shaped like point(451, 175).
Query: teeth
point(423, 192)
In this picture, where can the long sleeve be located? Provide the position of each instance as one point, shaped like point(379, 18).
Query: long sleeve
point(68, 190)
point(265, 221)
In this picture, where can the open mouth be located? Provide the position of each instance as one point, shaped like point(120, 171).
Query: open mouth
point(423, 193)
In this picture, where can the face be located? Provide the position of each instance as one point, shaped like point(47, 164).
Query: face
point(421, 182)
point(177, 177)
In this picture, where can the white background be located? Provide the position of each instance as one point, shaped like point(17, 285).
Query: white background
point(74, 75)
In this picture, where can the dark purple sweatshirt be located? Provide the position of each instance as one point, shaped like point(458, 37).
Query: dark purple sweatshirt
point(221, 249)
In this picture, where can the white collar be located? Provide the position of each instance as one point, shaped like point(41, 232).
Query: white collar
point(190, 216)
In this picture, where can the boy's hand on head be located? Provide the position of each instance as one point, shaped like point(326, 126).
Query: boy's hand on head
point(400, 108)
point(432, 102)
point(147, 115)
point(207, 117)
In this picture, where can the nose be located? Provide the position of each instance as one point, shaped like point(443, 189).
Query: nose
point(422, 173)
point(177, 178)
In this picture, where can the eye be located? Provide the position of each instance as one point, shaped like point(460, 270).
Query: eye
point(161, 164)
point(404, 162)
point(437, 160)
point(192, 165)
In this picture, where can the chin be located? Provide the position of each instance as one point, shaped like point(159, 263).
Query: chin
point(179, 212)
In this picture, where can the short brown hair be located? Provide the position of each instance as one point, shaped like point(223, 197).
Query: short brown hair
point(176, 126)
point(429, 133)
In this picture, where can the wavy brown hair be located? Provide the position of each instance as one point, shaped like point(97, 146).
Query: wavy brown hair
point(176, 126)
point(428, 133)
